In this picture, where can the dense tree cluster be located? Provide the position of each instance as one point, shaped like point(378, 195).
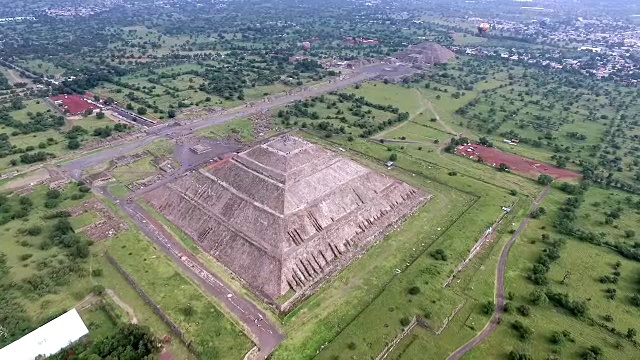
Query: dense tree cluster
point(128, 342)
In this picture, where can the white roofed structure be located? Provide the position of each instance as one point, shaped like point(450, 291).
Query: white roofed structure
point(48, 339)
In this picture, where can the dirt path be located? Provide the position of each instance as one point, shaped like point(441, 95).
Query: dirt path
point(15, 78)
point(448, 128)
point(422, 108)
point(87, 302)
point(499, 290)
point(123, 305)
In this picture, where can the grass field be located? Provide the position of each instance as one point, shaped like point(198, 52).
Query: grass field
point(137, 170)
point(52, 140)
point(365, 303)
point(98, 322)
point(582, 284)
point(212, 333)
point(111, 279)
point(241, 127)
point(42, 67)
point(85, 219)
point(466, 40)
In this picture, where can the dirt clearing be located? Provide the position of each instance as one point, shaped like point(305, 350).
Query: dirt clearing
point(516, 163)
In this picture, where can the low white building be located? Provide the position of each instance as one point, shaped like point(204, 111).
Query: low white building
point(48, 339)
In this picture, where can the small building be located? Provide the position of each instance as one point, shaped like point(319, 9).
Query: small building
point(388, 164)
point(48, 339)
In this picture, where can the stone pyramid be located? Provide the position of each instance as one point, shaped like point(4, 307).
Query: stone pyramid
point(284, 214)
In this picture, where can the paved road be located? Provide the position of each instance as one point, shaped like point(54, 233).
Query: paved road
point(499, 292)
point(265, 334)
point(190, 126)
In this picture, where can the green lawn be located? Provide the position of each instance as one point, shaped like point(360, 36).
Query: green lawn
point(85, 219)
point(42, 67)
point(137, 170)
point(464, 39)
point(98, 322)
point(241, 127)
point(212, 333)
point(417, 132)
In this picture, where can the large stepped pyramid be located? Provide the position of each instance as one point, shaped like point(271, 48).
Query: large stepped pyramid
point(284, 214)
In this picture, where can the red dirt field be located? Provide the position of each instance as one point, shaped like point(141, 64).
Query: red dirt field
point(74, 104)
point(516, 163)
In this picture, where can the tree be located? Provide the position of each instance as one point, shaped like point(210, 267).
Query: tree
point(73, 144)
point(519, 355)
point(98, 289)
point(171, 113)
point(592, 353)
point(557, 338)
point(188, 310)
point(100, 115)
point(503, 167)
point(631, 333)
point(629, 234)
point(439, 254)
point(53, 194)
point(414, 290)
point(393, 157)
point(88, 112)
point(127, 342)
point(545, 179)
point(524, 332)
point(524, 310)
point(487, 308)
point(141, 110)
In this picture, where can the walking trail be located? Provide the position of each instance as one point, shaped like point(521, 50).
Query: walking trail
point(499, 290)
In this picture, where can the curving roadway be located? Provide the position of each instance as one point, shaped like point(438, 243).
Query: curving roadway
point(499, 291)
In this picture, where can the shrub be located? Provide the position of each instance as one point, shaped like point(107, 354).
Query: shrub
point(592, 353)
point(414, 290)
point(524, 332)
point(405, 321)
point(524, 310)
point(507, 307)
point(34, 230)
point(98, 289)
point(77, 196)
point(51, 203)
point(557, 338)
point(519, 355)
point(53, 194)
point(453, 173)
point(84, 189)
point(188, 310)
point(488, 307)
point(96, 272)
point(25, 257)
point(439, 254)
point(351, 346)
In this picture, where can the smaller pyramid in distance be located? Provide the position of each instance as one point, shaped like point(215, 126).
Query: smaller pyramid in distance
point(424, 54)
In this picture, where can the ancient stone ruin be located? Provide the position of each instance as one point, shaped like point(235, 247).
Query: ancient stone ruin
point(425, 54)
point(285, 214)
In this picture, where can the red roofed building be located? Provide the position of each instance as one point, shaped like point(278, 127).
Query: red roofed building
point(75, 104)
